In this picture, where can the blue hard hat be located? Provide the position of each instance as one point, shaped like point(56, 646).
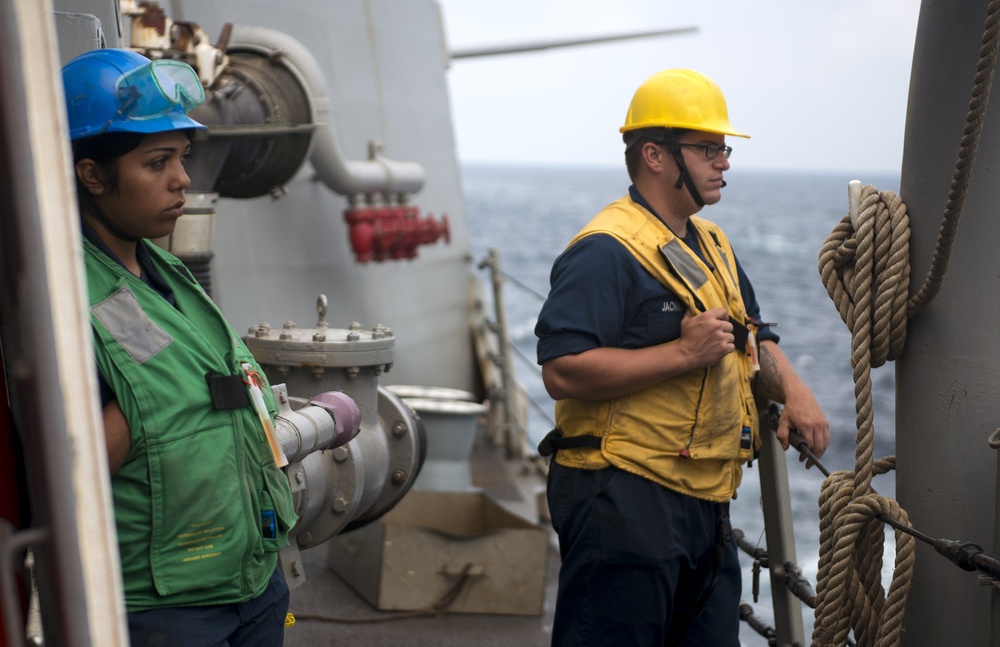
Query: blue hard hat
point(118, 90)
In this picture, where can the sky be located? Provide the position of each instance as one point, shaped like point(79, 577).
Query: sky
point(818, 85)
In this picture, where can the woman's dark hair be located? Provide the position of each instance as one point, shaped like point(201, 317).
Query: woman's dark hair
point(107, 148)
point(105, 151)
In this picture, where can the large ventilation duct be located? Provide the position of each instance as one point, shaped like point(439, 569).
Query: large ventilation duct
point(265, 105)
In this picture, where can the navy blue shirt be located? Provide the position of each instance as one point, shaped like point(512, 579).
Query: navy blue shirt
point(601, 296)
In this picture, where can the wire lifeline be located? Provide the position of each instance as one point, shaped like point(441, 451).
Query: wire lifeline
point(491, 263)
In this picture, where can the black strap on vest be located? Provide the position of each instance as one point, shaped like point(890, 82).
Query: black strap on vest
point(228, 391)
point(554, 441)
point(740, 335)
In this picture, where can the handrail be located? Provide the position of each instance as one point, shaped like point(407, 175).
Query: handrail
point(517, 439)
point(778, 527)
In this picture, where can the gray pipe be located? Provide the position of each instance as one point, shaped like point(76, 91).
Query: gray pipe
point(346, 177)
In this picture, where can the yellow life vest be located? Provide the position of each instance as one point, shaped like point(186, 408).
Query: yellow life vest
point(690, 433)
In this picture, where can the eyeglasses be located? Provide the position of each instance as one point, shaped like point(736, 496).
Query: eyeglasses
point(711, 149)
point(158, 88)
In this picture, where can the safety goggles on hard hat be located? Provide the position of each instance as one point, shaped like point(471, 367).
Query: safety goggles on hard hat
point(162, 86)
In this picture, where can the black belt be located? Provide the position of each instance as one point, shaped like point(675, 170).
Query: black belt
point(555, 441)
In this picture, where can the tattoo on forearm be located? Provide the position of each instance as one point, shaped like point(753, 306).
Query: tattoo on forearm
point(769, 379)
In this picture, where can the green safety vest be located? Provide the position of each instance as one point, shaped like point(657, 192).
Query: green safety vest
point(690, 433)
point(200, 506)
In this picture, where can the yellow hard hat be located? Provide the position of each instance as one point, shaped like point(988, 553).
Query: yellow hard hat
point(679, 98)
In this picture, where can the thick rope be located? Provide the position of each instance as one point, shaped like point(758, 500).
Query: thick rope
point(867, 273)
point(968, 149)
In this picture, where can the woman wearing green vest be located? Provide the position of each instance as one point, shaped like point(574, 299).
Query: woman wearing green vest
point(200, 506)
point(652, 343)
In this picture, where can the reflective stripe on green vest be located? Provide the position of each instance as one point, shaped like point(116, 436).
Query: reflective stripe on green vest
point(684, 433)
point(198, 481)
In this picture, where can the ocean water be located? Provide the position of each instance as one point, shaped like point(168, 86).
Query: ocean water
point(777, 223)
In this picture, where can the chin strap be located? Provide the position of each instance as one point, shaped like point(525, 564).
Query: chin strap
point(685, 177)
point(91, 205)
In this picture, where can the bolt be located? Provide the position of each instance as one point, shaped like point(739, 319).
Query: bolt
point(353, 371)
point(399, 428)
point(353, 336)
point(296, 568)
point(318, 372)
point(354, 326)
point(398, 476)
point(300, 478)
point(340, 454)
point(339, 504)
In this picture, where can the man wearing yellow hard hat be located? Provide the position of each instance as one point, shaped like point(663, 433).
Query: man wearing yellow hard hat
point(652, 343)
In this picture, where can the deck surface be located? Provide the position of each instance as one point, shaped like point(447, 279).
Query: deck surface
point(355, 622)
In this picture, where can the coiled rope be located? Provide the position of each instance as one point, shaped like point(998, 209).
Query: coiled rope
point(866, 270)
